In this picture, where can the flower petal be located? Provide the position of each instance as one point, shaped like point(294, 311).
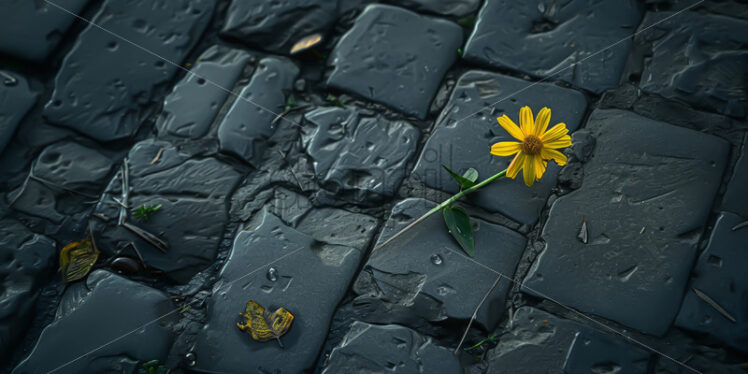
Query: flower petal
point(510, 127)
point(525, 121)
point(548, 154)
point(562, 142)
point(542, 121)
point(539, 167)
point(505, 148)
point(528, 172)
point(554, 133)
point(516, 165)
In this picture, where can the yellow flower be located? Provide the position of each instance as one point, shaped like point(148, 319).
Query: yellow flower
point(535, 146)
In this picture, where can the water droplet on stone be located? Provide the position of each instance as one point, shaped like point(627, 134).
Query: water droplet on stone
point(190, 358)
point(436, 259)
point(272, 274)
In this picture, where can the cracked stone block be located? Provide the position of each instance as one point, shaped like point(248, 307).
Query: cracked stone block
point(276, 266)
point(696, 58)
point(642, 206)
point(192, 193)
point(59, 169)
point(582, 42)
point(370, 348)
point(395, 57)
point(28, 259)
point(31, 30)
point(99, 310)
point(427, 271)
point(358, 155)
point(539, 342)
point(734, 199)
point(457, 8)
point(720, 275)
point(248, 124)
point(193, 104)
point(105, 83)
point(16, 98)
point(462, 140)
point(277, 26)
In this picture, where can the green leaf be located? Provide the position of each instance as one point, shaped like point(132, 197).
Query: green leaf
point(466, 181)
point(458, 223)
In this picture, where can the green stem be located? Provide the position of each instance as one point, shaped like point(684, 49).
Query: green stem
point(439, 207)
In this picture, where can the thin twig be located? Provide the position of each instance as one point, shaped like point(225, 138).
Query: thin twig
point(53, 184)
point(475, 313)
point(286, 112)
point(137, 252)
point(158, 156)
point(23, 187)
point(147, 236)
point(125, 193)
point(120, 203)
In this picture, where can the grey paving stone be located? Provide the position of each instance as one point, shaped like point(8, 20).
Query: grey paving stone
point(461, 140)
point(720, 274)
point(645, 198)
point(458, 8)
point(33, 29)
point(311, 278)
point(277, 26)
point(427, 271)
point(390, 348)
point(358, 155)
point(195, 101)
point(28, 259)
point(106, 307)
point(734, 199)
point(16, 98)
point(395, 57)
point(699, 59)
point(582, 42)
point(539, 342)
point(192, 193)
point(249, 122)
point(105, 82)
point(731, 8)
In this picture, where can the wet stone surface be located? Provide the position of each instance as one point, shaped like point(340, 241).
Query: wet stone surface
point(28, 260)
point(33, 29)
point(734, 199)
point(543, 38)
point(457, 8)
point(249, 122)
point(700, 59)
point(16, 98)
point(395, 57)
point(720, 275)
point(426, 271)
point(105, 82)
point(379, 349)
point(276, 266)
point(467, 128)
point(191, 107)
point(643, 203)
point(358, 155)
point(106, 306)
point(192, 193)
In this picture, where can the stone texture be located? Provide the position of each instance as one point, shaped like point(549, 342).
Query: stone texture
point(427, 271)
point(106, 307)
point(312, 277)
point(720, 274)
point(539, 342)
point(16, 98)
point(467, 128)
point(732, 8)
point(193, 104)
point(380, 349)
point(192, 193)
point(105, 82)
point(734, 199)
point(395, 57)
point(358, 155)
point(277, 26)
point(645, 198)
point(458, 8)
point(28, 259)
point(33, 29)
point(699, 59)
point(582, 42)
point(249, 122)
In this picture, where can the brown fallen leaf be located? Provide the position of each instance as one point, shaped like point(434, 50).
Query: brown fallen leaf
point(77, 259)
point(306, 43)
point(263, 325)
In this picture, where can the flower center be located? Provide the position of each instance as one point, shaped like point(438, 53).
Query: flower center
point(532, 145)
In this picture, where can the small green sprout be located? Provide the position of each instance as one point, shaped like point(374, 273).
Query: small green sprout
point(335, 101)
point(144, 212)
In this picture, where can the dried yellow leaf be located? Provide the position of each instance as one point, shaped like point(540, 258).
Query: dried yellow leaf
point(77, 259)
point(306, 43)
point(263, 325)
